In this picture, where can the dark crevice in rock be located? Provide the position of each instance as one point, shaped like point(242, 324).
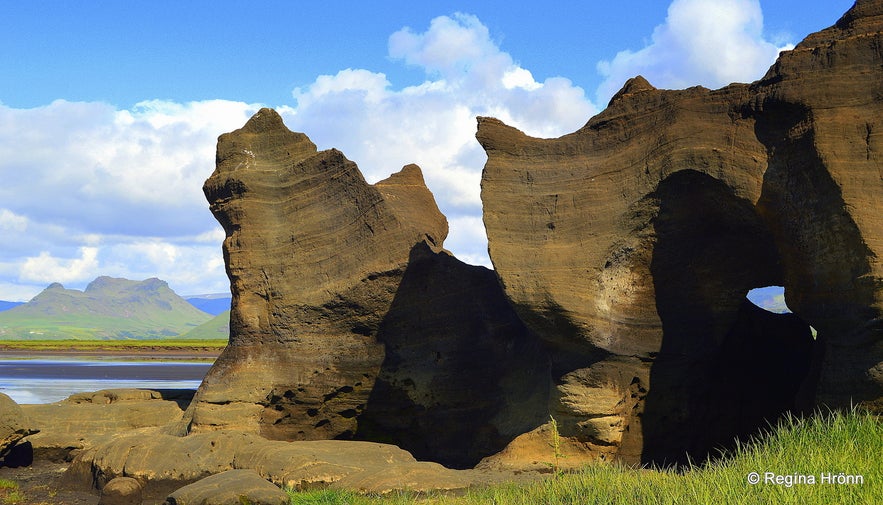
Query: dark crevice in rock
point(725, 368)
point(454, 389)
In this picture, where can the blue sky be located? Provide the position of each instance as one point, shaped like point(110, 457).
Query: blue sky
point(109, 111)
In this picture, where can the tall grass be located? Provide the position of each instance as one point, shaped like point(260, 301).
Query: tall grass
point(797, 451)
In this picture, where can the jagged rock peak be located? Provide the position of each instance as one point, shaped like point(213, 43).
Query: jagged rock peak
point(406, 193)
point(409, 175)
point(634, 85)
point(863, 10)
point(264, 120)
point(864, 18)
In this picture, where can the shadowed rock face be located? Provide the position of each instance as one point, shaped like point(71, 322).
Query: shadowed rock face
point(629, 247)
point(348, 318)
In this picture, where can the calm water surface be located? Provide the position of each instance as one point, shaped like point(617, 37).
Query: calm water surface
point(48, 380)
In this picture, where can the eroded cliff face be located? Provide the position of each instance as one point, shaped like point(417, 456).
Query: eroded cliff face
point(629, 247)
point(623, 253)
point(348, 318)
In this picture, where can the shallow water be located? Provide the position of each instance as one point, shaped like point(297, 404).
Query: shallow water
point(51, 380)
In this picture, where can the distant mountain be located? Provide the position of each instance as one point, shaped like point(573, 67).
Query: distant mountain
point(214, 304)
point(8, 305)
point(109, 308)
point(216, 328)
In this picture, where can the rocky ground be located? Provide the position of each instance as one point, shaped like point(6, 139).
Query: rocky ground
point(71, 452)
point(41, 484)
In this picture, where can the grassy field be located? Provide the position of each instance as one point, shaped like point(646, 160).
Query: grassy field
point(841, 453)
point(112, 345)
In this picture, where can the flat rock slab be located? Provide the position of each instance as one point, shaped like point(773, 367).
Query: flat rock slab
point(233, 487)
point(86, 419)
point(165, 463)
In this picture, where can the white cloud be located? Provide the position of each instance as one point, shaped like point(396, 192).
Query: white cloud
point(214, 236)
point(47, 268)
point(433, 123)
point(90, 167)
point(18, 292)
point(702, 42)
point(466, 232)
point(12, 222)
point(188, 267)
point(520, 78)
point(368, 86)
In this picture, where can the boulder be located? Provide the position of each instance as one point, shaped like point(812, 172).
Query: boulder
point(121, 491)
point(629, 245)
point(14, 425)
point(349, 320)
point(233, 487)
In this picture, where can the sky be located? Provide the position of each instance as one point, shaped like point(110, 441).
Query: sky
point(110, 111)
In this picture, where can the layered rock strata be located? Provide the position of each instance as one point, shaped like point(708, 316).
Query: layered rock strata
point(349, 320)
point(630, 244)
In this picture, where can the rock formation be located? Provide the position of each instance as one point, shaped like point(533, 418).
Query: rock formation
point(349, 320)
point(623, 254)
point(14, 426)
point(629, 245)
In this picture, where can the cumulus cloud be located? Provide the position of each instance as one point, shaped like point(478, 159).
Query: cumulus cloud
point(433, 123)
point(12, 222)
point(47, 268)
point(93, 167)
point(82, 178)
point(189, 266)
point(702, 42)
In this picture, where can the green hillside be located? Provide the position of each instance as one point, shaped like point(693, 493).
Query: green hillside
point(109, 308)
point(215, 328)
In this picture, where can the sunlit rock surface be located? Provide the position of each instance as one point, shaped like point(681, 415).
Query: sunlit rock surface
point(629, 246)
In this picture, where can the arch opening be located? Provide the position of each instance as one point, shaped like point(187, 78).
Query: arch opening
point(770, 299)
point(726, 368)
